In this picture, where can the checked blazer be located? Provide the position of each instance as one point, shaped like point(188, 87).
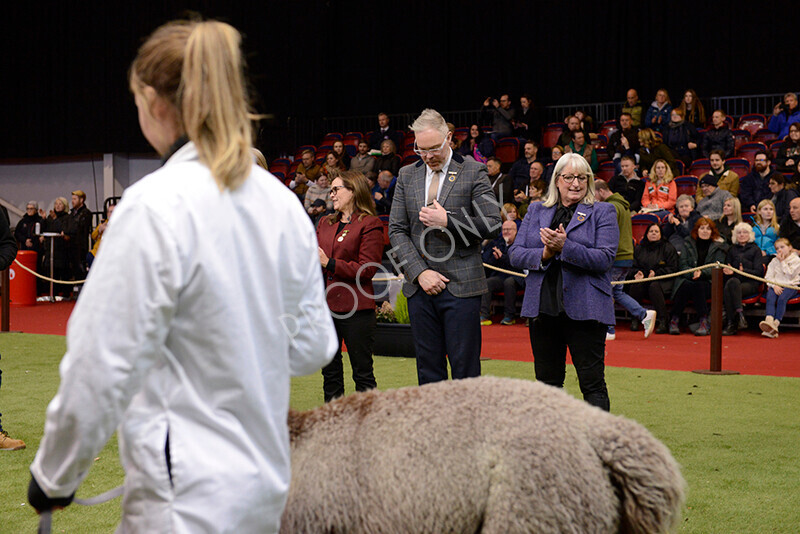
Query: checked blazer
point(473, 215)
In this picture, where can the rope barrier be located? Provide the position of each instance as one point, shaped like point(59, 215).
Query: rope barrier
point(47, 278)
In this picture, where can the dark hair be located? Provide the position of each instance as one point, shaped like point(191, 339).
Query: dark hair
point(631, 158)
point(496, 160)
point(766, 153)
point(778, 178)
point(661, 234)
point(718, 152)
point(700, 222)
point(536, 145)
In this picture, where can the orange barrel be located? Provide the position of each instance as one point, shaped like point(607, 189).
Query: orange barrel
point(22, 288)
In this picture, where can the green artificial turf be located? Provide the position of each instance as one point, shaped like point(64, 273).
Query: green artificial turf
point(737, 437)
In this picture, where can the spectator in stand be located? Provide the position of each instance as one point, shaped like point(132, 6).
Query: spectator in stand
point(633, 107)
point(790, 225)
point(789, 152)
point(388, 160)
point(332, 162)
point(501, 183)
point(341, 154)
point(754, 187)
point(680, 223)
point(321, 190)
point(307, 173)
point(682, 137)
point(651, 148)
point(781, 196)
point(383, 193)
point(692, 109)
point(97, 235)
point(744, 255)
point(784, 115)
point(77, 236)
point(496, 255)
point(654, 256)
point(726, 178)
point(660, 192)
point(785, 269)
point(624, 141)
point(658, 114)
point(520, 170)
point(580, 145)
point(793, 182)
point(555, 154)
point(532, 192)
point(528, 126)
point(363, 162)
point(501, 115)
point(477, 145)
point(703, 246)
point(623, 261)
point(766, 227)
point(731, 216)
point(713, 198)
point(509, 213)
point(586, 121)
point(383, 133)
point(719, 136)
point(57, 222)
point(571, 125)
point(628, 184)
point(350, 248)
point(25, 232)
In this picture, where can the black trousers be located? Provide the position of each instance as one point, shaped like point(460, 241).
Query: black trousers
point(509, 286)
point(586, 340)
point(732, 294)
point(445, 327)
point(358, 333)
point(654, 292)
point(698, 291)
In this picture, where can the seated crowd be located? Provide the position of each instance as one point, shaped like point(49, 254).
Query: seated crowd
point(749, 220)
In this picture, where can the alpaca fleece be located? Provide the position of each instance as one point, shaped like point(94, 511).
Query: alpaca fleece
point(488, 455)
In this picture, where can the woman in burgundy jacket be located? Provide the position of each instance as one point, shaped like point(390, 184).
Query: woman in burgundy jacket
point(350, 249)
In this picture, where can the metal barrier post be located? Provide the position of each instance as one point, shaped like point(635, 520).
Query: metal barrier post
point(715, 366)
point(6, 299)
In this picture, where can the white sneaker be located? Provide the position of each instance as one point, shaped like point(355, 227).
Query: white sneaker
point(610, 336)
point(649, 323)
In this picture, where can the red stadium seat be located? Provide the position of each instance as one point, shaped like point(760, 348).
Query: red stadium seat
point(686, 184)
point(774, 146)
point(461, 134)
point(551, 134)
point(330, 138)
point(740, 166)
point(765, 136)
point(740, 137)
point(606, 171)
point(507, 149)
point(298, 153)
point(752, 122)
point(748, 150)
point(608, 128)
point(699, 167)
point(409, 160)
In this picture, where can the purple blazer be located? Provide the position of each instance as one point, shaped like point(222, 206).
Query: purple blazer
point(586, 260)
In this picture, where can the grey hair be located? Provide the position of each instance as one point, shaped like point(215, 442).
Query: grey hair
point(581, 166)
point(430, 119)
point(33, 203)
point(683, 197)
point(749, 229)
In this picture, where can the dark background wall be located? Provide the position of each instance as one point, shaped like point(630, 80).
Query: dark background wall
point(64, 63)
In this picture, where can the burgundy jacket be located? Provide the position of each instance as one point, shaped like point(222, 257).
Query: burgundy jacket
point(360, 242)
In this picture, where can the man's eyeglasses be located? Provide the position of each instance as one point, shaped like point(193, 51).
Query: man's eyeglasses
point(335, 189)
point(432, 151)
point(569, 178)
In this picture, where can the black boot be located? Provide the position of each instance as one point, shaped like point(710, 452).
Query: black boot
point(661, 326)
point(742, 321)
point(636, 325)
point(730, 329)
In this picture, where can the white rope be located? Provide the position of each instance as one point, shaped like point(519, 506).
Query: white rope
point(37, 275)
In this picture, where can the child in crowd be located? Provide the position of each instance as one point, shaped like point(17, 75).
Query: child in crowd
point(784, 268)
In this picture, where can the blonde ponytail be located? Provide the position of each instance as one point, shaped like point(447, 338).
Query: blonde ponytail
point(199, 68)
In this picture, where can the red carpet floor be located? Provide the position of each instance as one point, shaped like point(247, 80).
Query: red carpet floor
point(749, 352)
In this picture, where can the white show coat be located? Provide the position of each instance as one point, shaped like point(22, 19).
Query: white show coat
point(196, 312)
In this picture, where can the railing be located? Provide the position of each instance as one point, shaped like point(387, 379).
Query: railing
point(306, 130)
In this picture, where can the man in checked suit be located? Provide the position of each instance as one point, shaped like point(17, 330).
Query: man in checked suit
point(443, 208)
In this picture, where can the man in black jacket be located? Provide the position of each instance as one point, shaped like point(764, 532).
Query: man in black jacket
point(79, 230)
point(8, 251)
point(719, 136)
point(623, 142)
point(754, 187)
point(628, 184)
point(790, 225)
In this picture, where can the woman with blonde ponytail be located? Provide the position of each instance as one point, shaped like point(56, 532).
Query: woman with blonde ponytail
point(197, 311)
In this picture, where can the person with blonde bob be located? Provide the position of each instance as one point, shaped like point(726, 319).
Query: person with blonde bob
point(744, 255)
point(216, 303)
point(568, 243)
point(660, 193)
point(731, 216)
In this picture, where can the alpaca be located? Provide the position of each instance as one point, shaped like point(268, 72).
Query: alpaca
point(488, 455)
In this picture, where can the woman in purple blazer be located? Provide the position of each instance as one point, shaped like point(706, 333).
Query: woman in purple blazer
point(568, 243)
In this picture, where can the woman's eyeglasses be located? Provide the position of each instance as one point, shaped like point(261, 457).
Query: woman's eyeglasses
point(335, 189)
point(569, 178)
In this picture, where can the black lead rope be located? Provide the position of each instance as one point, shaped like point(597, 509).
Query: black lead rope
point(46, 518)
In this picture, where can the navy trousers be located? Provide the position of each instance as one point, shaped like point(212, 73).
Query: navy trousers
point(445, 327)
